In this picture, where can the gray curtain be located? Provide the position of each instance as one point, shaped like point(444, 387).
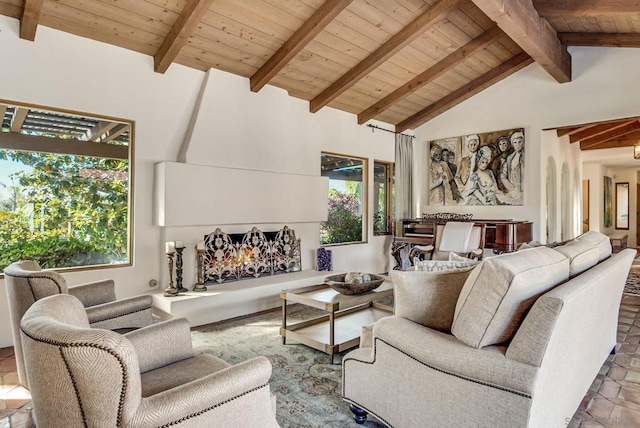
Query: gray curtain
point(404, 177)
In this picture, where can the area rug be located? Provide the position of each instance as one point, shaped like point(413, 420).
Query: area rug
point(307, 386)
point(632, 286)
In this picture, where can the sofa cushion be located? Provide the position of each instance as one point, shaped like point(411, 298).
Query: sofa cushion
point(582, 255)
point(428, 298)
point(500, 291)
point(597, 239)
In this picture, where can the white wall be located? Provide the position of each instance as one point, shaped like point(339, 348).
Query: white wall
point(605, 86)
point(268, 131)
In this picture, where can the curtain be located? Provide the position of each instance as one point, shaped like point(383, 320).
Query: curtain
point(404, 177)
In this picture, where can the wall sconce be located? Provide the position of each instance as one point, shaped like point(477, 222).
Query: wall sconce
point(636, 150)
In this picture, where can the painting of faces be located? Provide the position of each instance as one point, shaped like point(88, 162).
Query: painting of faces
point(478, 169)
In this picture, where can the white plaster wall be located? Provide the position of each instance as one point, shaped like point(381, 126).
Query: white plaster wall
point(605, 85)
point(267, 131)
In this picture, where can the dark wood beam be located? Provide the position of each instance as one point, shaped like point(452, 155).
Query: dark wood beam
point(432, 73)
point(616, 40)
point(585, 8)
point(520, 21)
point(628, 131)
point(401, 39)
point(613, 144)
point(29, 18)
point(561, 132)
point(599, 129)
point(467, 91)
point(36, 143)
point(310, 29)
point(179, 34)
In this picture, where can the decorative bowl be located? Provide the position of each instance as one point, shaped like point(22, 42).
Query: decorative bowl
point(337, 282)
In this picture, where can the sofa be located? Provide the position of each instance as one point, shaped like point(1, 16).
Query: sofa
point(514, 341)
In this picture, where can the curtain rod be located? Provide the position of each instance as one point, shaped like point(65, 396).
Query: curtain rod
point(393, 132)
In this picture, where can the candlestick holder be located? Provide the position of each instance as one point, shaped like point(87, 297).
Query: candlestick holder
point(199, 286)
point(170, 291)
point(179, 286)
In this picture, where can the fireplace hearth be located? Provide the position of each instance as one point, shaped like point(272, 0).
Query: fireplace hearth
point(233, 257)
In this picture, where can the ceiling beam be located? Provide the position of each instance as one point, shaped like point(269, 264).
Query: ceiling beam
point(29, 18)
point(307, 32)
point(616, 40)
point(179, 34)
point(467, 91)
point(446, 64)
point(595, 130)
point(19, 116)
point(520, 21)
point(585, 8)
point(397, 42)
point(36, 143)
point(613, 144)
point(3, 111)
point(567, 130)
point(628, 131)
point(116, 132)
point(99, 130)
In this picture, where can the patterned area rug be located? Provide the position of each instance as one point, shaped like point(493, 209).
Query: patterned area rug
point(633, 281)
point(307, 386)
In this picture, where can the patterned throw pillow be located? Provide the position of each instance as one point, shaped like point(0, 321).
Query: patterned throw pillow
point(440, 265)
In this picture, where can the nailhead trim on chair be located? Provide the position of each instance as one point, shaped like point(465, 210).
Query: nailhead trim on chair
point(193, 415)
point(75, 387)
point(29, 277)
point(118, 316)
point(102, 348)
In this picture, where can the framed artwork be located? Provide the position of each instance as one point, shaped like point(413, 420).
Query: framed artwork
point(608, 200)
point(478, 169)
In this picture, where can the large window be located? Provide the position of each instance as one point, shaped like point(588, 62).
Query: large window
point(65, 187)
point(382, 197)
point(347, 203)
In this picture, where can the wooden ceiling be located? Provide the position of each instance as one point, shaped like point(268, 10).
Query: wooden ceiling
point(603, 135)
point(402, 62)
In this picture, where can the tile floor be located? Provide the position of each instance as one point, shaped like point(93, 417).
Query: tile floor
point(612, 401)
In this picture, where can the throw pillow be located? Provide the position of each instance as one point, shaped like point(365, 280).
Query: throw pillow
point(599, 240)
point(428, 298)
point(441, 265)
point(582, 255)
point(500, 291)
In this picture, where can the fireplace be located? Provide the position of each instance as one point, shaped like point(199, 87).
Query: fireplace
point(233, 257)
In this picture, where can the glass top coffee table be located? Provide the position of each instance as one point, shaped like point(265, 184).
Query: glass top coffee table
point(340, 328)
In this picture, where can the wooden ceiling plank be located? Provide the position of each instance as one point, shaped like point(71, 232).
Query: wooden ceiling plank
point(509, 67)
point(585, 8)
point(520, 21)
point(401, 39)
point(189, 18)
point(617, 40)
point(29, 19)
point(19, 116)
point(314, 25)
point(431, 73)
point(595, 130)
point(627, 131)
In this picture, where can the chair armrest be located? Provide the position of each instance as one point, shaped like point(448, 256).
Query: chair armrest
point(131, 312)
point(161, 344)
point(238, 395)
point(94, 293)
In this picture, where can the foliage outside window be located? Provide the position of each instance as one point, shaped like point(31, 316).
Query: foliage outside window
point(346, 200)
point(64, 188)
point(382, 197)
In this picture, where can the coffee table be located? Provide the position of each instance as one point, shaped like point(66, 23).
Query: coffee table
point(340, 328)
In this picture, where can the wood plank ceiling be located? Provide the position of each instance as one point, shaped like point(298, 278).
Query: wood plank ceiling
point(402, 62)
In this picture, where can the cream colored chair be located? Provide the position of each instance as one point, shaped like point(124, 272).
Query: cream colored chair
point(151, 377)
point(460, 237)
point(26, 283)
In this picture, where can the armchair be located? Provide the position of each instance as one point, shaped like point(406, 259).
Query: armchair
point(27, 283)
point(460, 237)
point(151, 377)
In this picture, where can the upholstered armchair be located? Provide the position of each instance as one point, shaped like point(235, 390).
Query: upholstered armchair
point(460, 237)
point(27, 283)
point(151, 377)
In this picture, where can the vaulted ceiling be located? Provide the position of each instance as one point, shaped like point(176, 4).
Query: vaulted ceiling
point(402, 62)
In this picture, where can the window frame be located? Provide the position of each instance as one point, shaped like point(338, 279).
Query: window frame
point(131, 173)
point(389, 184)
point(364, 198)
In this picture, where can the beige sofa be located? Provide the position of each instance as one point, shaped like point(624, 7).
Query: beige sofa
point(515, 341)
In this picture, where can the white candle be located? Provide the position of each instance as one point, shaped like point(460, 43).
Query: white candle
point(200, 245)
point(170, 247)
point(179, 244)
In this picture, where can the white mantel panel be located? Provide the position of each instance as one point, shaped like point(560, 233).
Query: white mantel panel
point(195, 195)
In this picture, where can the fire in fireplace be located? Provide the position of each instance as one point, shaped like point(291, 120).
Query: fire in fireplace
point(232, 257)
